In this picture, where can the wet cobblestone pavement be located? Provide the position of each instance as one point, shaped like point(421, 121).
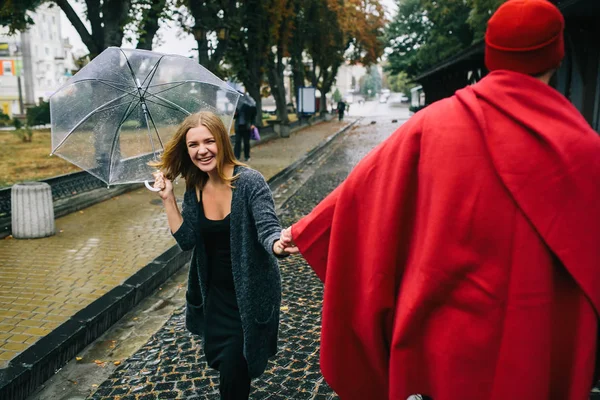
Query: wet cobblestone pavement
point(172, 365)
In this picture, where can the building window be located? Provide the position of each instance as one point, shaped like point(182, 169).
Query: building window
point(53, 20)
point(47, 51)
point(7, 68)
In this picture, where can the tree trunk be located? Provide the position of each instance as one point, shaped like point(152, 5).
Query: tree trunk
point(85, 36)
point(275, 75)
point(150, 26)
point(254, 91)
point(114, 17)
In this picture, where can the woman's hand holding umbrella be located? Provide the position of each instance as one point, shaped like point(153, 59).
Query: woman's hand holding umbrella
point(163, 185)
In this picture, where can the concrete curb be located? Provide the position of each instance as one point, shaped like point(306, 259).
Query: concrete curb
point(30, 369)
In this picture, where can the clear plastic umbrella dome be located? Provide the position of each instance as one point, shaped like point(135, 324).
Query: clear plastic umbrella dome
point(118, 112)
point(247, 100)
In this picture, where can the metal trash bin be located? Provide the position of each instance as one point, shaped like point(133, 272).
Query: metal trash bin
point(32, 210)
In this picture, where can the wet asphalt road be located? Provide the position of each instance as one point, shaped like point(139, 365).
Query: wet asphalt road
point(171, 365)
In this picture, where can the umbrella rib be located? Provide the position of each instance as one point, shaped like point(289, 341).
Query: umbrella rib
point(164, 90)
point(155, 129)
point(130, 70)
point(153, 72)
point(103, 81)
point(166, 106)
point(126, 115)
point(177, 107)
point(147, 110)
point(85, 119)
point(188, 81)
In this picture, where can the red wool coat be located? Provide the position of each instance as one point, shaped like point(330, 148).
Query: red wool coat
point(461, 257)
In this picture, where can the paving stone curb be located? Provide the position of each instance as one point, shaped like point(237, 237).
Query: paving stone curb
point(30, 369)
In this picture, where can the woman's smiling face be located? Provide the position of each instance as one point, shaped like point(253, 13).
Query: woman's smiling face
point(202, 148)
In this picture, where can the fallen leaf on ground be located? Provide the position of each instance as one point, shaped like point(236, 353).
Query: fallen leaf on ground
point(285, 308)
point(78, 358)
point(117, 363)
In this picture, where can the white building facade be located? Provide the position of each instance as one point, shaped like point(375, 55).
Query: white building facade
point(39, 58)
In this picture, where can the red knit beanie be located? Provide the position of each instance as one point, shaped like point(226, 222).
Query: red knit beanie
point(525, 36)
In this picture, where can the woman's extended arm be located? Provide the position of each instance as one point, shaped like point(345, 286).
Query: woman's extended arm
point(263, 211)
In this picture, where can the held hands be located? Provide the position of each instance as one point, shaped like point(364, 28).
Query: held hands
point(164, 184)
point(285, 245)
point(287, 242)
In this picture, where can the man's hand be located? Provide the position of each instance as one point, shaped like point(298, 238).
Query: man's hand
point(287, 242)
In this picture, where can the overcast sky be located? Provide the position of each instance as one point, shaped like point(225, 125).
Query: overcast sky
point(173, 40)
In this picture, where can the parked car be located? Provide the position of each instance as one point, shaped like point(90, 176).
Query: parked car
point(395, 99)
point(383, 98)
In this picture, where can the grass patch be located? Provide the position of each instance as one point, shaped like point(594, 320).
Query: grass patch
point(29, 161)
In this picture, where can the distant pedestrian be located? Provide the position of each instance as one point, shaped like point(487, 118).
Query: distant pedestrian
point(341, 107)
point(461, 257)
point(228, 219)
point(245, 121)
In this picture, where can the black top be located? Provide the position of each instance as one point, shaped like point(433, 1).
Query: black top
point(218, 250)
point(223, 335)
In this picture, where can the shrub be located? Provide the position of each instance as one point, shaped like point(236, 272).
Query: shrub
point(415, 109)
point(25, 134)
point(39, 115)
point(4, 119)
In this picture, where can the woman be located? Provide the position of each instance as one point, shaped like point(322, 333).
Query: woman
point(228, 218)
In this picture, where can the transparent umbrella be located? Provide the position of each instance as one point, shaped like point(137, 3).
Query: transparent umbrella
point(247, 100)
point(117, 113)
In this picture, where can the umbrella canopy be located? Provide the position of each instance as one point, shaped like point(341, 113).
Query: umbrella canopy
point(117, 113)
point(247, 100)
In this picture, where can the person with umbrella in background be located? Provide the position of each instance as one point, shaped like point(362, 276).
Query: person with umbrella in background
point(245, 121)
point(228, 218)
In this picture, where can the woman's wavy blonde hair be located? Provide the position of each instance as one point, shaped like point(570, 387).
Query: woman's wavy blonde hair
point(176, 161)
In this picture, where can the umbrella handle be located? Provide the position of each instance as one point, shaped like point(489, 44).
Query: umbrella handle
point(150, 188)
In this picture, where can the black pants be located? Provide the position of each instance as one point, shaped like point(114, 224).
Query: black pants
point(243, 132)
point(234, 383)
point(340, 115)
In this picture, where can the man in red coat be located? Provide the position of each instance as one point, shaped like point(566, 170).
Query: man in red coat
point(461, 257)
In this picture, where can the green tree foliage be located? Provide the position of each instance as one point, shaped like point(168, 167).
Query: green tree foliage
point(481, 12)
point(13, 14)
point(39, 115)
point(337, 96)
point(425, 32)
point(212, 23)
point(372, 83)
point(399, 83)
point(108, 20)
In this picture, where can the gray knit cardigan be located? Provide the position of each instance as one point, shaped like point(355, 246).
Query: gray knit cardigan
point(254, 229)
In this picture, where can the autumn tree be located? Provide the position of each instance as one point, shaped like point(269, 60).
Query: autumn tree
point(342, 30)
